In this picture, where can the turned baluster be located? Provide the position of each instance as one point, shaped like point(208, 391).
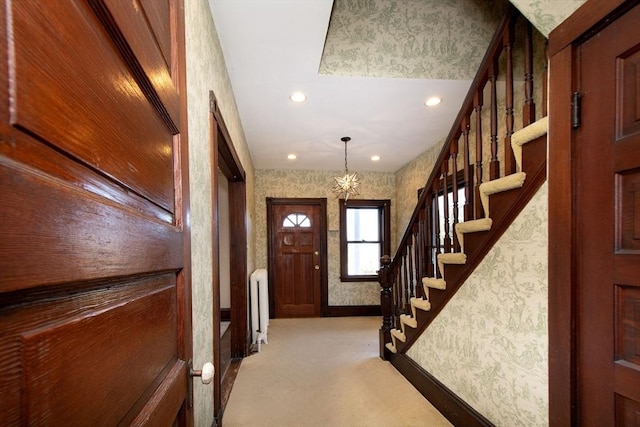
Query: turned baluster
point(410, 254)
point(405, 281)
point(386, 303)
point(544, 80)
point(436, 218)
point(397, 285)
point(468, 176)
point(509, 160)
point(417, 253)
point(454, 185)
point(494, 164)
point(445, 205)
point(422, 262)
point(478, 100)
point(429, 240)
point(529, 109)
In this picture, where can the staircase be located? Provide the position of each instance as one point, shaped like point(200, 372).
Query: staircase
point(518, 188)
point(449, 235)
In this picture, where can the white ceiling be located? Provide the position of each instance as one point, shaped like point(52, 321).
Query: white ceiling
point(274, 47)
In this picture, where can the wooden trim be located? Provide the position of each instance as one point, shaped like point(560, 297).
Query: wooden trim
point(586, 20)
point(230, 163)
point(385, 234)
point(215, 261)
point(352, 310)
point(240, 335)
point(324, 286)
point(564, 42)
point(562, 233)
point(182, 196)
point(456, 410)
point(224, 157)
point(225, 314)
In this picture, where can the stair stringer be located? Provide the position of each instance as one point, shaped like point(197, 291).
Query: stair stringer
point(505, 207)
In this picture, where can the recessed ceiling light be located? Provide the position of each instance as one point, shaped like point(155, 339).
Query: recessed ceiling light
point(292, 157)
point(434, 100)
point(375, 158)
point(298, 97)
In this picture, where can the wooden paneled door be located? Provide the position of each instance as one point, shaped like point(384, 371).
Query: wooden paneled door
point(95, 304)
point(297, 260)
point(607, 213)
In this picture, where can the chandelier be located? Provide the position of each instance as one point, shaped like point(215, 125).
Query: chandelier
point(347, 184)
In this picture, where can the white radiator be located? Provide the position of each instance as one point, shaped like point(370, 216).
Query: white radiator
point(259, 306)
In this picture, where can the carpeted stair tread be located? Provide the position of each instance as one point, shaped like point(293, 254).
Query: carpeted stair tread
point(450, 258)
point(391, 347)
point(399, 335)
point(534, 131)
point(509, 182)
point(472, 226)
point(420, 303)
point(432, 282)
point(408, 320)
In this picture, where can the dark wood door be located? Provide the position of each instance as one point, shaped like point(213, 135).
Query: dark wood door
point(608, 227)
point(94, 250)
point(298, 258)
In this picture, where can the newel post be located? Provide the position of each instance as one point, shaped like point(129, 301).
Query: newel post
point(386, 303)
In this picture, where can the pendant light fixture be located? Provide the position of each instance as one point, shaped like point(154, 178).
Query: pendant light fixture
point(347, 184)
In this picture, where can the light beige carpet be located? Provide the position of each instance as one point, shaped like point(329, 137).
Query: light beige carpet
point(324, 372)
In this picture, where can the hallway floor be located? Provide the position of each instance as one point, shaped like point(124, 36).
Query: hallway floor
point(324, 372)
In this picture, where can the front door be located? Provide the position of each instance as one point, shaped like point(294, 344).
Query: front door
point(608, 227)
point(94, 246)
point(297, 248)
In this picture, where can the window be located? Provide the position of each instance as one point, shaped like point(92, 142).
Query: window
point(452, 219)
point(296, 220)
point(364, 238)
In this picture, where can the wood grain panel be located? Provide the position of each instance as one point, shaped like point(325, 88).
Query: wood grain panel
point(26, 316)
point(134, 23)
point(165, 403)
point(81, 225)
point(60, 358)
point(28, 150)
point(628, 324)
point(97, 113)
point(627, 377)
point(627, 411)
point(628, 220)
point(158, 15)
point(628, 95)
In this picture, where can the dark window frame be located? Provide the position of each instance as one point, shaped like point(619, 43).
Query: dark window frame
point(384, 209)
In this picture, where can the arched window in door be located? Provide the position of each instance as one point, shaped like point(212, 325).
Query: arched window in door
point(297, 220)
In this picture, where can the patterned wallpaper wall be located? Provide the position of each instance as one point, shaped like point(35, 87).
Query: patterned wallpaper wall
point(318, 184)
point(206, 71)
point(431, 39)
point(489, 344)
point(547, 14)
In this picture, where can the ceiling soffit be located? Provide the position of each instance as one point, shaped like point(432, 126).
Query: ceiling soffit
point(418, 39)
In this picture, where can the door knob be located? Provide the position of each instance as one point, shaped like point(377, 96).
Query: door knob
point(317, 267)
point(317, 253)
point(206, 374)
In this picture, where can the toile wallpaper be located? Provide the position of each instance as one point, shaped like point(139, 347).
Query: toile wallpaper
point(429, 39)
point(489, 344)
point(206, 71)
point(545, 15)
point(318, 184)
